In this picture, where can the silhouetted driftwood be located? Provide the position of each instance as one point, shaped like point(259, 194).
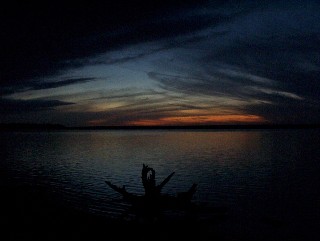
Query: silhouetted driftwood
point(153, 197)
point(149, 182)
point(153, 201)
point(126, 195)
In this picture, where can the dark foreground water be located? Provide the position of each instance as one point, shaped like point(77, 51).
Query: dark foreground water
point(268, 179)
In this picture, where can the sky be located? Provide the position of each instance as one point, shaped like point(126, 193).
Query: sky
point(160, 62)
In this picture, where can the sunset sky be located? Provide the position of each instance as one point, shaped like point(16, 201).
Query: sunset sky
point(160, 62)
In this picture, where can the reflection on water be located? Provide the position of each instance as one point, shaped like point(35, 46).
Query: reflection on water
point(265, 177)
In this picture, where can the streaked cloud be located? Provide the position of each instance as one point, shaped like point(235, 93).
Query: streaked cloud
point(9, 106)
point(197, 62)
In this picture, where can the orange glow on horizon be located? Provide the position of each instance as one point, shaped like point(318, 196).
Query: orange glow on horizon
point(189, 120)
point(200, 120)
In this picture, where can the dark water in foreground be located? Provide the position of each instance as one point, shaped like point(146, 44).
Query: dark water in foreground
point(268, 179)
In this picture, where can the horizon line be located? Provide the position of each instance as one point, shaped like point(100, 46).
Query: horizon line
point(51, 126)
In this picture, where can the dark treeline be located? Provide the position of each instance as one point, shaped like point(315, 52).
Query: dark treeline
point(47, 126)
point(203, 127)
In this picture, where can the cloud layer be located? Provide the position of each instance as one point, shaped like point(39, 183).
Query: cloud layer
point(136, 62)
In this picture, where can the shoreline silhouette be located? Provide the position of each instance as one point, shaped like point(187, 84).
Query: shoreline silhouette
point(59, 127)
point(29, 213)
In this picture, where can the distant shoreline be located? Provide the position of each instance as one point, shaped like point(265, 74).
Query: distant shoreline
point(58, 127)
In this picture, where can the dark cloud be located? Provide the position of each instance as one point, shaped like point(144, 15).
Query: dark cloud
point(269, 59)
point(9, 106)
point(287, 112)
point(44, 39)
point(49, 85)
point(40, 85)
point(292, 60)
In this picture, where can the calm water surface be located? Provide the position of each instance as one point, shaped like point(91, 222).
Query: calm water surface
point(269, 179)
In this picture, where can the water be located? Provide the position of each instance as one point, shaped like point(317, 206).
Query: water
point(269, 179)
